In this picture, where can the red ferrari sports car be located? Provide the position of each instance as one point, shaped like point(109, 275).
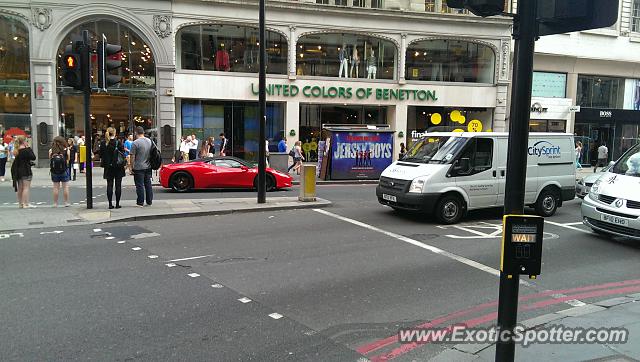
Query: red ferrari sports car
point(218, 172)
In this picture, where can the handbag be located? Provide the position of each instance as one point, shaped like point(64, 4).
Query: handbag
point(76, 166)
point(292, 153)
point(118, 158)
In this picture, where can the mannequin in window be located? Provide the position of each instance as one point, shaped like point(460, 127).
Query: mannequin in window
point(222, 59)
point(344, 61)
point(372, 67)
point(355, 62)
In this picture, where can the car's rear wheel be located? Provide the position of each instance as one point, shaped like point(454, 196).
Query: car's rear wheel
point(271, 183)
point(181, 182)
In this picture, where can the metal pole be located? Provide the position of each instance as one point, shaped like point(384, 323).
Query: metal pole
point(262, 105)
point(525, 33)
point(86, 81)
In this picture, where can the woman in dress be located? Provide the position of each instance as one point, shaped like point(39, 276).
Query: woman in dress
point(21, 170)
point(4, 155)
point(113, 163)
point(73, 158)
point(297, 157)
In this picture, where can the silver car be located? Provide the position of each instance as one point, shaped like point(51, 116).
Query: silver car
point(583, 185)
point(613, 204)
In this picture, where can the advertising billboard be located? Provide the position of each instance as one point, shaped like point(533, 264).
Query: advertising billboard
point(360, 154)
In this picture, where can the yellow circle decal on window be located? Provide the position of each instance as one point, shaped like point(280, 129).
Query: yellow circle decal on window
point(459, 130)
point(474, 126)
point(436, 118)
point(457, 117)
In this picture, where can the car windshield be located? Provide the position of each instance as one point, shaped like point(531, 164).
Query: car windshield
point(435, 149)
point(629, 163)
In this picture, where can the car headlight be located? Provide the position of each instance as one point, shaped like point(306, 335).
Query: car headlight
point(595, 190)
point(581, 182)
point(417, 185)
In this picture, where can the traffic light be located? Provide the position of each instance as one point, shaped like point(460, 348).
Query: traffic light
point(71, 66)
point(109, 59)
point(482, 8)
point(565, 16)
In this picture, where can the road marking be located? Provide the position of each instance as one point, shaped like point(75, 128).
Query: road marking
point(6, 236)
point(244, 300)
point(574, 223)
point(97, 230)
point(136, 248)
point(217, 286)
point(193, 275)
point(567, 226)
point(110, 237)
point(152, 257)
point(144, 235)
point(276, 315)
point(192, 258)
point(171, 265)
point(52, 232)
point(121, 242)
point(433, 249)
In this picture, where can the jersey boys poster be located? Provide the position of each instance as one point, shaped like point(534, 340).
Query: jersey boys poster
point(360, 155)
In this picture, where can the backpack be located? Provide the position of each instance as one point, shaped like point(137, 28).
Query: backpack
point(58, 164)
point(155, 158)
point(118, 160)
point(292, 153)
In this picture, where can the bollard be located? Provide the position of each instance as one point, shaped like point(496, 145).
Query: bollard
point(308, 183)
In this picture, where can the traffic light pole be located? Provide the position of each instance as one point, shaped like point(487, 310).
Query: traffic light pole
point(525, 33)
point(262, 105)
point(85, 62)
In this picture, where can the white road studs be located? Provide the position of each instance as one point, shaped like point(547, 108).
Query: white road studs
point(276, 315)
point(136, 248)
point(121, 242)
point(152, 256)
point(244, 300)
point(171, 265)
point(193, 275)
point(217, 286)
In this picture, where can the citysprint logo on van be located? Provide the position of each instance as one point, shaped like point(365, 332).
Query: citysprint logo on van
point(544, 148)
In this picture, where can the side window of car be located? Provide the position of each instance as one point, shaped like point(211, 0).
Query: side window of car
point(476, 157)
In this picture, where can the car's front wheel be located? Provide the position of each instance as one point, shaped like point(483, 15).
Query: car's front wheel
point(450, 209)
point(181, 182)
point(547, 203)
point(271, 183)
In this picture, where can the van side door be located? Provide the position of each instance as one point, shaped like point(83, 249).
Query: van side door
point(475, 172)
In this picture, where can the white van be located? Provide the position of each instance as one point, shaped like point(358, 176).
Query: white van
point(446, 174)
point(613, 204)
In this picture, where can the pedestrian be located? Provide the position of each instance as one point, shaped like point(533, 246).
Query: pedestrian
point(297, 157)
point(140, 152)
point(4, 155)
point(82, 150)
point(127, 149)
point(72, 167)
point(578, 154)
point(224, 145)
point(193, 148)
point(112, 154)
point(58, 167)
point(403, 151)
point(21, 170)
point(603, 156)
point(185, 147)
point(282, 145)
point(266, 152)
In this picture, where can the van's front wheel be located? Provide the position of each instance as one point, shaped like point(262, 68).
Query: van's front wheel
point(450, 209)
point(547, 203)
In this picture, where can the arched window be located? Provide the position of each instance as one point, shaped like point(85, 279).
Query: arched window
point(444, 60)
point(346, 55)
point(15, 89)
point(229, 48)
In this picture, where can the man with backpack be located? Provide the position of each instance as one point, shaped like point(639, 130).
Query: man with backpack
point(144, 154)
point(58, 161)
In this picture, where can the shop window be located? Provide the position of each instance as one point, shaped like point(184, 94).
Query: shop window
point(450, 61)
point(549, 85)
point(346, 55)
point(600, 92)
point(358, 3)
point(635, 16)
point(421, 120)
point(15, 88)
point(538, 125)
point(229, 48)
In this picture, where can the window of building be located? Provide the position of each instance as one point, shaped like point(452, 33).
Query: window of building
point(635, 16)
point(323, 2)
point(376, 4)
point(549, 85)
point(341, 2)
point(421, 120)
point(446, 60)
point(237, 120)
point(346, 55)
point(229, 48)
point(600, 92)
point(540, 125)
point(15, 86)
point(430, 6)
point(358, 3)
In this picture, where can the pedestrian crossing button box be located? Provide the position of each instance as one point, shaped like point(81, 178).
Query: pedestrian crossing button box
point(522, 245)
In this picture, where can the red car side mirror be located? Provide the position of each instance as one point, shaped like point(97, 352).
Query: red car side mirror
point(244, 168)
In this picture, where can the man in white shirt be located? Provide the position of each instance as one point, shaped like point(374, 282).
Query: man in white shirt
point(193, 148)
point(184, 148)
point(603, 156)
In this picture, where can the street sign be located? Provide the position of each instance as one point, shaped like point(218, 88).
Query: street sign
point(521, 253)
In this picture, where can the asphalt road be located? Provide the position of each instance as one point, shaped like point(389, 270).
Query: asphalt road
point(344, 279)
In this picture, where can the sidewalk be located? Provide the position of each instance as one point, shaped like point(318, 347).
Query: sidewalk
point(42, 177)
point(48, 217)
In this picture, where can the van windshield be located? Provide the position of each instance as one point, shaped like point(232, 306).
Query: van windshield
point(435, 149)
point(629, 163)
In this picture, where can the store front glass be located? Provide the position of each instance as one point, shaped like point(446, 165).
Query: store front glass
point(421, 120)
point(126, 105)
point(600, 92)
point(237, 120)
point(541, 125)
point(592, 135)
point(314, 116)
point(15, 88)
point(450, 61)
point(346, 55)
point(229, 48)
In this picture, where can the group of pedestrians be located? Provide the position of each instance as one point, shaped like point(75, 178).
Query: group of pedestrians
point(191, 148)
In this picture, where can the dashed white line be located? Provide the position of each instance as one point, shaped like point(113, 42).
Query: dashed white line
point(192, 258)
point(152, 256)
point(136, 248)
point(171, 265)
point(97, 230)
point(121, 242)
point(244, 300)
point(217, 286)
point(433, 249)
point(110, 237)
point(276, 315)
point(193, 275)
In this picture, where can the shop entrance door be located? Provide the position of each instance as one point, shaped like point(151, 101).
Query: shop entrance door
point(592, 135)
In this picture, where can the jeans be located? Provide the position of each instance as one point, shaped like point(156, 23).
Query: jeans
point(142, 179)
point(3, 165)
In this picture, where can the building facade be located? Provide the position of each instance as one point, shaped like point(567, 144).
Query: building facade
point(190, 67)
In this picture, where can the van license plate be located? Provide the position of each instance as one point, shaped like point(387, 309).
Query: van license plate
point(614, 220)
point(389, 198)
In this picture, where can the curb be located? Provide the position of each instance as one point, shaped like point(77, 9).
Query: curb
point(320, 203)
point(342, 182)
